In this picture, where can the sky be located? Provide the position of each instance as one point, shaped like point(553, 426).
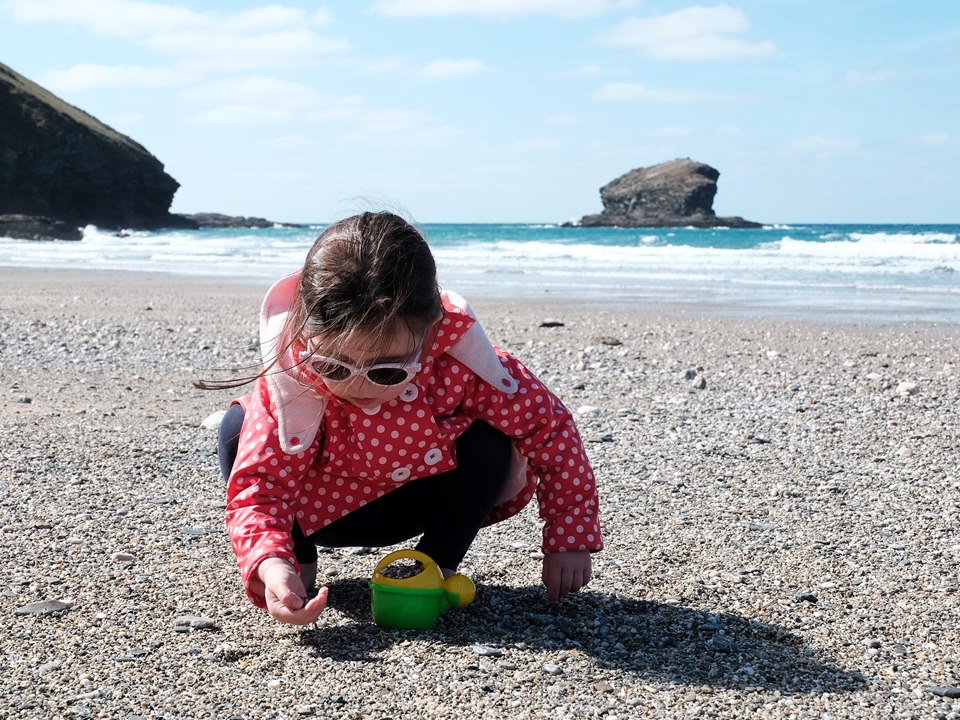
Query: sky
point(516, 110)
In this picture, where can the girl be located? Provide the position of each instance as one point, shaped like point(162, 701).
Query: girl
point(382, 413)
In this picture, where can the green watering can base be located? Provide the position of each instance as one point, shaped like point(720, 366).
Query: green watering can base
point(415, 603)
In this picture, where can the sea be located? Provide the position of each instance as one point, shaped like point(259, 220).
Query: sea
point(896, 273)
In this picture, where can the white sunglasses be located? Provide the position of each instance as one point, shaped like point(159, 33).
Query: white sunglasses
point(382, 374)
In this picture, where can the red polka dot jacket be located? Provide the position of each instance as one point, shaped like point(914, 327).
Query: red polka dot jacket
point(305, 454)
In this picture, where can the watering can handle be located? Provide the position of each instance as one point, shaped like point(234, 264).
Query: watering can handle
point(430, 569)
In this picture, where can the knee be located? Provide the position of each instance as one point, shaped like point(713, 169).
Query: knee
point(484, 445)
point(228, 439)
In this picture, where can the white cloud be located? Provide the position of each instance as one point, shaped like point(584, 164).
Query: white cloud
point(882, 76)
point(696, 33)
point(584, 71)
point(90, 77)
point(271, 35)
point(633, 92)
point(386, 65)
point(668, 132)
point(453, 68)
point(820, 145)
point(560, 8)
point(267, 101)
point(934, 140)
point(259, 100)
point(535, 144)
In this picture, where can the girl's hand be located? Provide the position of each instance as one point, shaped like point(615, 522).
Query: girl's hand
point(566, 572)
point(285, 595)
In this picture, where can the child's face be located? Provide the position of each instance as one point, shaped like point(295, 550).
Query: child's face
point(359, 352)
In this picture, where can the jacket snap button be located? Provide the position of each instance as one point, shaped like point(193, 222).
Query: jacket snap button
point(410, 392)
point(433, 456)
point(400, 474)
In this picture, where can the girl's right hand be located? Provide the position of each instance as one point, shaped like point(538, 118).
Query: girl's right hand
point(285, 595)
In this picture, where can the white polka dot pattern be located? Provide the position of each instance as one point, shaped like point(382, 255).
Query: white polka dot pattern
point(360, 456)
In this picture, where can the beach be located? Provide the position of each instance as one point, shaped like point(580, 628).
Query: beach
point(780, 501)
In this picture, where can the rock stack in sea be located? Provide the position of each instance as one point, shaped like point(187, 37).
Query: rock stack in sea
point(678, 193)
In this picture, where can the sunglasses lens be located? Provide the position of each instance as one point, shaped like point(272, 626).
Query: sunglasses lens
point(387, 376)
point(331, 371)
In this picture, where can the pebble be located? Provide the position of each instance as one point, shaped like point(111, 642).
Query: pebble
point(551, 323)
point(122, 557)
point(486, 651)
point(44, 607)
point(907, 388)
point(186, 623)
point(213, 420)
point(589, 410)
point(947, 691)
point(552, 669)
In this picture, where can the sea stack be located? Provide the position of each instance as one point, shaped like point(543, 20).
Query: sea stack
point(61, 169)
point(678, 193)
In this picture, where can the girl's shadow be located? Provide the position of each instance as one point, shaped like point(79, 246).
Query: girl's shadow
point(649, 639)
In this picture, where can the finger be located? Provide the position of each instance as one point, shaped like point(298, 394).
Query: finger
point(293, 600)
point(309, 613)
point(552, 581)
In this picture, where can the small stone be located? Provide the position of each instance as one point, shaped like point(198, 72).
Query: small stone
point(947, 691)
point(700, 382)
point(552, 669)
point(44, 607)
point(550, 323)
point(486, 651)
point(588, 410)
point(610, 341)
point(602, 686)
point(122, 557)
point(807, 597)
point(188, 622)
point(212, 421)
point(48, 667)
point(721, 644)
point(25, 399)
point(907, 388)
point(274, 684)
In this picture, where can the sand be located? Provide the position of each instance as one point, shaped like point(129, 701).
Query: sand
point(780, 500)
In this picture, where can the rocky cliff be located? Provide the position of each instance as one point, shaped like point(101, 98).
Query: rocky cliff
point(62, 168)
point(678, 193)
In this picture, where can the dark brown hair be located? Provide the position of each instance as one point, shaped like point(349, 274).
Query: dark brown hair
point(364, 273)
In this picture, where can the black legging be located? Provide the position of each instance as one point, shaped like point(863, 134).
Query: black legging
point(446, 509)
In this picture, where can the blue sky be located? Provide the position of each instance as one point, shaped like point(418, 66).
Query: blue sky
point(517, 110)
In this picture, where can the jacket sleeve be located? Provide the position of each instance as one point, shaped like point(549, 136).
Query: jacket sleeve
point(544, 431)
point(263, 490)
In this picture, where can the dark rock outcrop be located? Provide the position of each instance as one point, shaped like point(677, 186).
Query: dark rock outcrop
point(678, 193)
point(218, 220)
point(61, 164)
point(35, 227)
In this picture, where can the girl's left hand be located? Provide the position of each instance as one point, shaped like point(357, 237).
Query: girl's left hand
point(566, 572)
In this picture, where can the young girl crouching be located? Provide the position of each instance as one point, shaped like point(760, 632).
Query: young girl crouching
point(383, 413)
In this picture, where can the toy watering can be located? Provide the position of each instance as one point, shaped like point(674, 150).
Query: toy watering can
point(415, 603)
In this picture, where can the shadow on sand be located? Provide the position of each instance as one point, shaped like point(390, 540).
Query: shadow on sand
point(653, 640)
